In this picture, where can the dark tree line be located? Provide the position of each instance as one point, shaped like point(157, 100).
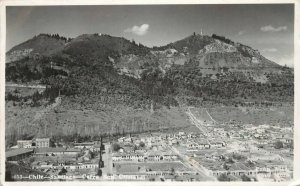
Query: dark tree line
point(57, 36)
point(222, 38)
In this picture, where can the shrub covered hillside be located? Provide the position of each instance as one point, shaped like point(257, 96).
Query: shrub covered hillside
point(84, 67)
point(113, 76)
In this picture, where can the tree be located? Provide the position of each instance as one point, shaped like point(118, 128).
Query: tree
point(52, 143)
point(230, 160)
point(116, 147)
point(99, 172)
point(63, 171)
point(8, 176)
point(225, 166)
point(91, 154)
point(250, 163)
point(223, 177)
point(133, 42)
point(172, 171)
point(278, 145)
point(245, 178)
point(142, 144)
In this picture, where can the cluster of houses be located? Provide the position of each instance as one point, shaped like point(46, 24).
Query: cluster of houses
point(40, 147)
point(249, 131)
point(202, 143)
point(155, 146)
point(166, 176)
point(275, 171)
point(68, 167)
point(264, 132)
point(25, 148)
point(272, 169)
point(150, 148)
point(255, 143)
point(159, 148)
point(147, 156)
point(237, 169)
point(151, 141)
point(74, 159)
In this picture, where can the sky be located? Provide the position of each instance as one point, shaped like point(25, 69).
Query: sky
point(266, 27)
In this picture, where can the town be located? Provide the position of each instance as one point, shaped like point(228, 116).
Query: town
point(217, 152)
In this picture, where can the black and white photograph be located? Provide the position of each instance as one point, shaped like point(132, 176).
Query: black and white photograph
point(149, 93)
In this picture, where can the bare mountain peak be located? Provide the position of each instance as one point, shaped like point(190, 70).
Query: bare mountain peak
point(98, 46)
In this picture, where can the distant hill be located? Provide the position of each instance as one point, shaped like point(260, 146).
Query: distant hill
point(96, 48)
point(41, 45)
point(191, 44)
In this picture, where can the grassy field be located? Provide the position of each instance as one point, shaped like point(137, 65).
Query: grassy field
point(20, 120)
point(246, 115)
point(65, 120)
point(201, 114)
point(251, 115)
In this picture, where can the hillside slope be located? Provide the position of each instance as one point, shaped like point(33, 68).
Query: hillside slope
point(101, 77)
point(41, 45)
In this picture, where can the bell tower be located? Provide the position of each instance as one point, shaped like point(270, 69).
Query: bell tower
point(101, 162)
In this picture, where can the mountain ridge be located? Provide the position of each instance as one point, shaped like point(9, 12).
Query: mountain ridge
point(159, 73)
point(197, 42)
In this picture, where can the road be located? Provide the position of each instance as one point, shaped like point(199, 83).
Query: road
point(107, 158)
point(25, 86)
point(210, 116)
point(199, 123)
point(192, 164)
point(196, 122)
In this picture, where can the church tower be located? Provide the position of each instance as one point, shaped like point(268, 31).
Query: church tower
point(101, 162)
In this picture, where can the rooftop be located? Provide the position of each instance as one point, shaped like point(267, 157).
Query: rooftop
point(42, 139)
point(17, 152)
point(84, 143)
point(49, 149)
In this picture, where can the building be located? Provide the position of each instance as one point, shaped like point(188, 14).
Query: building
point(49, 151)
point(86, 145)
point(24, 143)
point(217, 144)
point(55, 151)
point(18, 154)
point(42, 142)
point(72, 167)
point(72, 151)
point(34, 143)
point(149, 156)
point(81, 166)
point(128, 157)
point(257, 157)
point(236, 169)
